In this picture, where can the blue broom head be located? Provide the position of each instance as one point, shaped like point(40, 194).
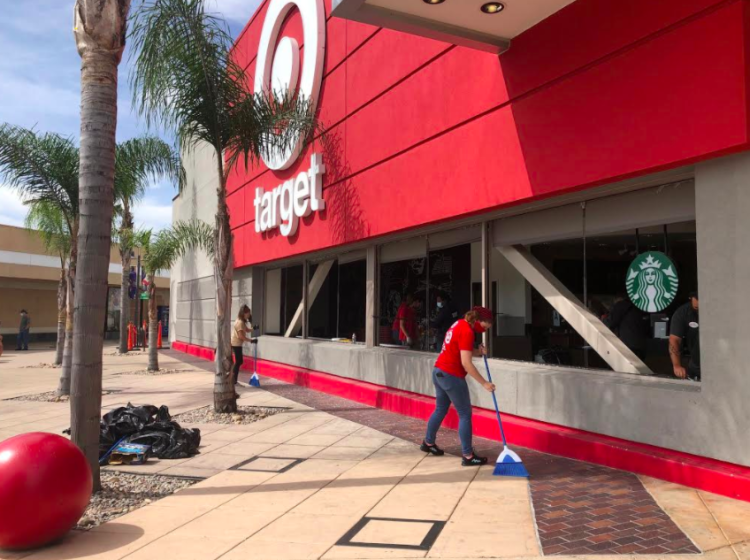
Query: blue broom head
point(510, 464)
point(255, 380)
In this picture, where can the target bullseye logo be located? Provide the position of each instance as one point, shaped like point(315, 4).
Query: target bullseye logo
point(278, 69)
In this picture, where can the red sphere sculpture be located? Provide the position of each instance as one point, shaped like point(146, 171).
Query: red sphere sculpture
point(45, 486)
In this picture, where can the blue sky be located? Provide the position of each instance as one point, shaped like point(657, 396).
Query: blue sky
point(40, 88)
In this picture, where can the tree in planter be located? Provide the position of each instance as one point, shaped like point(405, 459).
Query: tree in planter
point(47, 220)
point(137, 162)
point(160, 252)
point(186, 80)
point(100, 28)
point(44, 169)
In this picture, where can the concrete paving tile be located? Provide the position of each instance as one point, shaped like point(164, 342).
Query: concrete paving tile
point(743, 551)
point(356, 440)
point(318, 440)
point(246, 449)
point(267, 464)
point(430, 491)
point(292, 451)
point(150, 520)
point(187, 547)
point(688, 510)
point(345, 453)
point(233, 524)
point(731, 515)
point(93, 546)
point(190, 472)
point(216, 460)
point(267, 550)
point(357, 552)
point(306, 529)
point(393, 532)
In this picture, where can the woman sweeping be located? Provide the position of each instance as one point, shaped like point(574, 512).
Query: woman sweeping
point(449, 377)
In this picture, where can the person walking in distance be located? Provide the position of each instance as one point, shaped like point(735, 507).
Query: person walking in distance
point(23, 331)
point(449, 378)
point(239, 336)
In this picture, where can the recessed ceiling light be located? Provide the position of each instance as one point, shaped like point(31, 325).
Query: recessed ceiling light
point(493, 7)
point(433, 1)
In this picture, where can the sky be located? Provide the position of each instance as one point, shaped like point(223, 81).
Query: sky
point(40, 88)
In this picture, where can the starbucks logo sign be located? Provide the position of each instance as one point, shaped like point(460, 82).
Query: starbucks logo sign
point(652, 282)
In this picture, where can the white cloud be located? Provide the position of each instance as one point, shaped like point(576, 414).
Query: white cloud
point(151, 214)
point(12, 210)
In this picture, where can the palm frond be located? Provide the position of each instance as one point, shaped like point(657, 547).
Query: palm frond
point(141, 160)
point(191, 236)
point(161, 251)
point(43, 167)
point(185, 79)
point(47, 221)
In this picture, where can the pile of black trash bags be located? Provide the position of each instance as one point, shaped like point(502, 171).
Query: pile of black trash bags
point(148, 425)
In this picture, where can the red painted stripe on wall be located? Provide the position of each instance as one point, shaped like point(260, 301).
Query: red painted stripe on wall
point(689, 470)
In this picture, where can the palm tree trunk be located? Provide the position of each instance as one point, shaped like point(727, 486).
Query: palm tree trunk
point(63, 388)
point(153, 326)
point(127, 223)
point(62, 289)
point(224, 394)
point(100, 29)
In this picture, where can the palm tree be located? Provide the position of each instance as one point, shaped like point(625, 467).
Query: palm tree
point(185, 79)
point(138, 161)
point(160, 252)
point(100, 29)
point(44, 168)
point(47, 220)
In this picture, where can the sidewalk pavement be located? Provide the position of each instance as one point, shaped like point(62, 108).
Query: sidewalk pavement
point(327, 478)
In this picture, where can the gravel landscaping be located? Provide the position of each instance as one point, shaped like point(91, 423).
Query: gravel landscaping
point(41, 366)
point(122, 493)
point(163, 371)
point(244, 415)
point(50, 396)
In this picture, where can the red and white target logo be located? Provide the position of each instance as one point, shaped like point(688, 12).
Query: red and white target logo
point(279, 70)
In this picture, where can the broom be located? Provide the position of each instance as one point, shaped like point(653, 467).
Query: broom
point(508, 462)
point(255, 380)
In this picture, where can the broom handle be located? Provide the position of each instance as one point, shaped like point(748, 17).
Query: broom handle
point(494, 400)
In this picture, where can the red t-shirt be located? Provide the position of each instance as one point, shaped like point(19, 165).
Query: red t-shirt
point(406, 312)
point(459, 337)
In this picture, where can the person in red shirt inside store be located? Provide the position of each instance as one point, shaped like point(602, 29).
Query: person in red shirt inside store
point(449, 377)
point(405, 325)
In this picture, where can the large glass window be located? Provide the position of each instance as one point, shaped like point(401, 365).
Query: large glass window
point(426, 284)
point(283, 297)
point(634, 280)
point(337, 308)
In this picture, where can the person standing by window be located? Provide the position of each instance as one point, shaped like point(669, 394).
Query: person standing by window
point(685, 327)
point(405, 325)
point(446, 316)
point(23, 331)
point(239, 336)
point(449, 378)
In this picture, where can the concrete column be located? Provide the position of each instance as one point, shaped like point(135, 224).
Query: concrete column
point(371, 306)
point(486, 286)
point(258, 297)
point(722, 193)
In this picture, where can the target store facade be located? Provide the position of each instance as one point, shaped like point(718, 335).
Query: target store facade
point(579, 167)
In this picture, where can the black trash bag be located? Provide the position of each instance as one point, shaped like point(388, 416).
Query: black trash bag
point(168, 440)
point(148, 425)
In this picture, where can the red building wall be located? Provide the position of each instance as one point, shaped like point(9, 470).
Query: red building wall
point(421, 131)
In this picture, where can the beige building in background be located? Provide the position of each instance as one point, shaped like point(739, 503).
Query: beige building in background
point(29, 278)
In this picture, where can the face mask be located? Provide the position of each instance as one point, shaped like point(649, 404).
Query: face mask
point(479, 328)
point(440, 304)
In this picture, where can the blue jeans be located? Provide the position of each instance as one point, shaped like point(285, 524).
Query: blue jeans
point(451, 389)
point(23, 340)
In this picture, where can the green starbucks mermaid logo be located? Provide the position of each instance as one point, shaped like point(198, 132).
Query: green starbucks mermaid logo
point(652, 282)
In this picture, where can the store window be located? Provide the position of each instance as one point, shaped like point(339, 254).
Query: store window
point(337, 307)
point(283, 298)
point(634, 280)
point(426, 284)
